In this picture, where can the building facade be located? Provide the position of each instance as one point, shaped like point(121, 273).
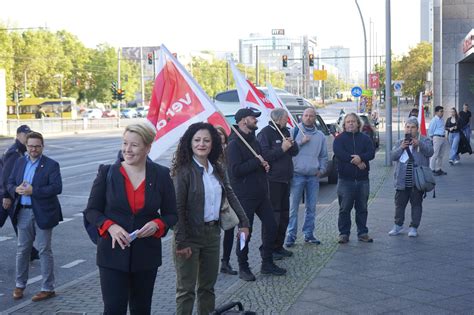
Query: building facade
point(338, 57)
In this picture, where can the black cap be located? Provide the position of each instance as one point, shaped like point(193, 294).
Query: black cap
point(245, 112)
point(24, 129)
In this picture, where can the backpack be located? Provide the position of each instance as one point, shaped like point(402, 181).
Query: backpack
point(91, 229)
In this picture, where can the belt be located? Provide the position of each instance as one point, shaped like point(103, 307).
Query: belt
point(26, 206)
point(438, 136)
point(215, 222)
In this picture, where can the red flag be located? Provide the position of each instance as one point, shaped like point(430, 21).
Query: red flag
point(421, 117)
point(216, 119)
point(177, 101)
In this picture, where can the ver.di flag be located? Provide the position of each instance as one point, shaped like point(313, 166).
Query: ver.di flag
point(177, 101)
point(275, 99)
point(250, 96)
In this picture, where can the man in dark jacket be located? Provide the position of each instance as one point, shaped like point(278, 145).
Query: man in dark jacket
point(35, 183)
point(278, 151)
point(353, 151)
point(9, 158)
point(248, 178)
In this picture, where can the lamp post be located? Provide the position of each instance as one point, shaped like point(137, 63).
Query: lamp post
point(365, 46)
point(60, 77)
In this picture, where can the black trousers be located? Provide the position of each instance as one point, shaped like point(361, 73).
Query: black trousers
point(280, 199)
point(263, 209)
point(120, 289)
point(227, 244)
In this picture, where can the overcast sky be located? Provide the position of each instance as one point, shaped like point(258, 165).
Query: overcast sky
point(185, 26)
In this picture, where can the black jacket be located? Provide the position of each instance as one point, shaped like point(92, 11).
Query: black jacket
point(247, 175)
point(109, 201)
point(281, 163)
point(347, 144)
point(12, 154)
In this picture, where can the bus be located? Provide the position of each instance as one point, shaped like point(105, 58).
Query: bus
point(52, 107)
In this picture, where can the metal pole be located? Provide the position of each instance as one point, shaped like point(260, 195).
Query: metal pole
point(256, 65)
point(61, 93)
point(227, 75)
point(398, 118)
point(119, 86)
point(365, 46)
point(142, 79)
point(388, 85)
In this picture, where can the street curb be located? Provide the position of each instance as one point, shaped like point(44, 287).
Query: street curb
point(59, 289)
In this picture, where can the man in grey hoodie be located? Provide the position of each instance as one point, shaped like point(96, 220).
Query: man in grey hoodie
point(309, 164)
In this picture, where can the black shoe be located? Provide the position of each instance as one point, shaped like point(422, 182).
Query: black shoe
point(284, 252)
point(245, 274)
point(277, 255)
point(227, 268)
point(34, 254)
point(272, 269)
point(441, 172)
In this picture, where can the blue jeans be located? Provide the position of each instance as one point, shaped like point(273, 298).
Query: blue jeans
point(309, 184)
point(454, 138)
point(353, 194)
point(467, 132)
point(28, 231)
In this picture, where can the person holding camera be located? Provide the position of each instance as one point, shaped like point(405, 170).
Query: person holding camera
point(411, 151)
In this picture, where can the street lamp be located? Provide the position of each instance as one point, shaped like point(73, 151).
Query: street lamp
point(60, 76)
point(365, 45)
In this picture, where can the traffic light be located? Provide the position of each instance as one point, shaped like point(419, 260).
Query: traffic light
point(311, 60)
point(150, 58)
point(120, 94)
point(20, 96)
point(284, 59)
point(114, 90)
point(13, 96)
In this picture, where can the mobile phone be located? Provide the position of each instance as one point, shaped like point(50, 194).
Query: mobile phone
point(408, 137)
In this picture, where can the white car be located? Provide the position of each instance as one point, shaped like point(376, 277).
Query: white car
point(92, 113)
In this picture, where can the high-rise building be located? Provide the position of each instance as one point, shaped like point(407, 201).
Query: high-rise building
point(426, 21)
point(338, 56)
point(270, 49)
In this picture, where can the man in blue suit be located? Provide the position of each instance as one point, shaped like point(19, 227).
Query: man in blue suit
point(35, 184)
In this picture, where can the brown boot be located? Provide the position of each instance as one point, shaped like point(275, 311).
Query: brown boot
point(18, 293)
point(43, 295)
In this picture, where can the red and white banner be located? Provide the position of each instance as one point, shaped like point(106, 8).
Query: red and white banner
point(374, 80)
point(275, 99)
point(250, 96)
point(177, 101)
point(421, 117)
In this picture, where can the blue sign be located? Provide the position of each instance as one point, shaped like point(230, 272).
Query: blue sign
point(356, 91)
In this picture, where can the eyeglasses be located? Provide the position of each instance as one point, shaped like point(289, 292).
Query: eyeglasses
point(34, 146)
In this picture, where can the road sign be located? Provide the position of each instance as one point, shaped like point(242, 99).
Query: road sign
point(374, 81)
point(356, 91)
point(398, 86)
point(320, 75)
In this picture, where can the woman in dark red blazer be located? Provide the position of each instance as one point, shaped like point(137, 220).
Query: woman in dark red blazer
point(131, 198)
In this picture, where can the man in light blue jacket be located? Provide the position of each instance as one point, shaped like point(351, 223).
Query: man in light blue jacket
point(309, 164)
point(413, 150)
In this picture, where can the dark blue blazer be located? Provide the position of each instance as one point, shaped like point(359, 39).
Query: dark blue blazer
point(47, 185)
point(108, 200)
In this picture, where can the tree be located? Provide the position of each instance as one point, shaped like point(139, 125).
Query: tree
point(413, 68)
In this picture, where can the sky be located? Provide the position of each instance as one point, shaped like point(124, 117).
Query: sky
point(187, 26)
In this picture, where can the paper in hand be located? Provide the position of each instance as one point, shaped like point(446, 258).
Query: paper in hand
point(133, 235)
point(242, 241)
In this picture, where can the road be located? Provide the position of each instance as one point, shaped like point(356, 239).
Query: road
point(79, 157)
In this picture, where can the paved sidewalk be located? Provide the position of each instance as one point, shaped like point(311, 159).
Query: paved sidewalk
point(431, 274)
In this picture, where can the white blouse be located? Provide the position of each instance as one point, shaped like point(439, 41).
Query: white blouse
point(212, 193)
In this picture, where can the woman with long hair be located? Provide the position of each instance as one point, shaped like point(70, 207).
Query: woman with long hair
point(201, 187)
point(132, 203)
point(453, 127)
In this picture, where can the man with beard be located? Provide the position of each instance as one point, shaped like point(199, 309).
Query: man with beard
point(247, 174)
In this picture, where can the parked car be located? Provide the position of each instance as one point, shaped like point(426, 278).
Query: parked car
point(128, 113)
point(228, 103)
point(142, 111)
point(334, 127)
point(109, 113)
point(92, 113)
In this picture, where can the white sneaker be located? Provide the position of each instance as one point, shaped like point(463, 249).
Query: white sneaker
point(456, 161)
point(412, 232)
point(397, 229)
point(451, 162)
